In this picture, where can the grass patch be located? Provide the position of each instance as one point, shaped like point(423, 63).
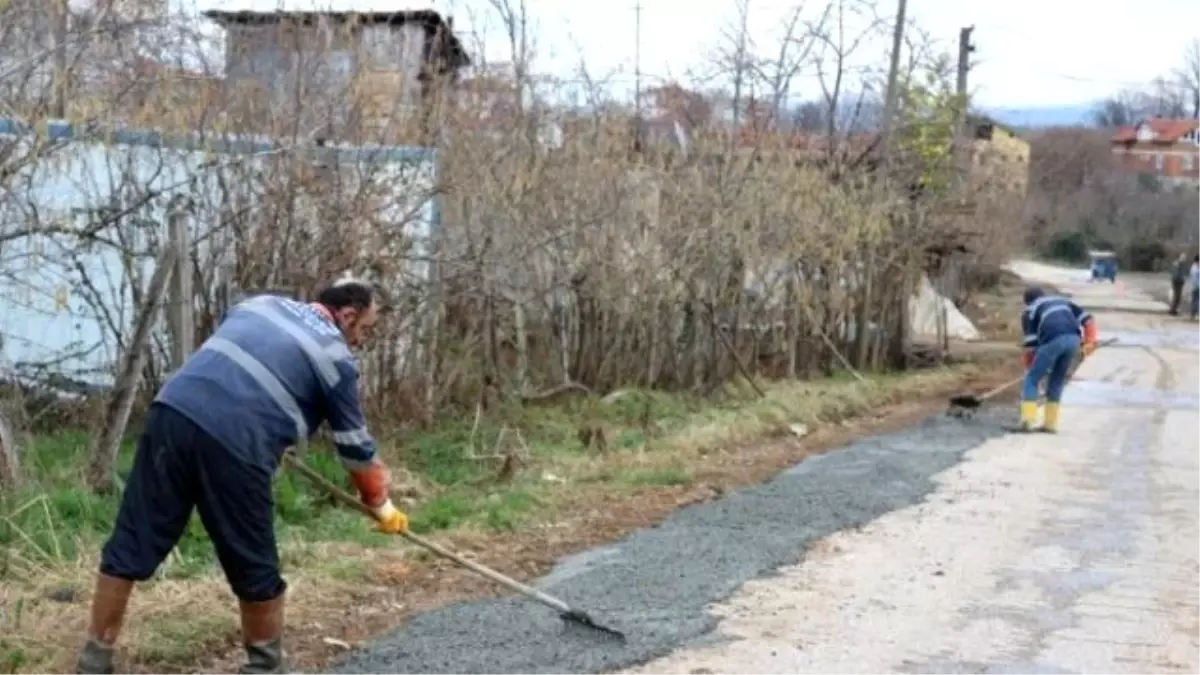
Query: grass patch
point(51, 530)
point(659, 476)
point(182, 639)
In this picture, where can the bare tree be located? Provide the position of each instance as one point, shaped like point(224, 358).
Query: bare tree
point(1160, 98)
point(1117, 111)
point(546, 252)
point(840, 39)
point(1188, 76)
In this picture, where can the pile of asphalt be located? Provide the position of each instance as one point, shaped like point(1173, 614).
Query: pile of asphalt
point(654, 585)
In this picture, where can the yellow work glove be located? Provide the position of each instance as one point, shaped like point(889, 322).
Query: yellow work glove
point(389, 519)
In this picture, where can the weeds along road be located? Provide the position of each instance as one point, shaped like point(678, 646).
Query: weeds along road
point(952, 546)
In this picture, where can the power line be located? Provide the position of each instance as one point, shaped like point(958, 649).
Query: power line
point(1148, 87)
point(1050, 71)
point(633, 79)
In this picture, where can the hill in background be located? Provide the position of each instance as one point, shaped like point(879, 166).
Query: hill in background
point(1077, 114)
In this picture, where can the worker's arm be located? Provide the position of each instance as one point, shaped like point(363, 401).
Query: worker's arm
point(1091, 332)
point(1029, 343)
point(356, 449)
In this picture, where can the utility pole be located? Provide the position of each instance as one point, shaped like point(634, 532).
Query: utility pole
point(889, 97)
point(62, 18)
point(965, 49)
point(637, 59)
point(899, 347)
point(637, 76)
point(962, 137)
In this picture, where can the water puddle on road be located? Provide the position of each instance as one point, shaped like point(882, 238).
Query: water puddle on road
point(1094, 393)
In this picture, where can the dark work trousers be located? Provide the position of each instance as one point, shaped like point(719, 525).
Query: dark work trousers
point(1176, 295)
point(177, 467)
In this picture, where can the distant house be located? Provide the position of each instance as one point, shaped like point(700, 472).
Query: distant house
point(999, 157)
point(489, 101)
point(1166, 148)
point(345, 67)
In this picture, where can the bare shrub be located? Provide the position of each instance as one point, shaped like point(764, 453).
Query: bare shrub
point(526, 250)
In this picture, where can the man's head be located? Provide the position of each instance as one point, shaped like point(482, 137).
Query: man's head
point(1032, 293)
point(354, 308)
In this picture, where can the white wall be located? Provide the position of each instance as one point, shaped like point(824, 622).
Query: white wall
point(60, 294)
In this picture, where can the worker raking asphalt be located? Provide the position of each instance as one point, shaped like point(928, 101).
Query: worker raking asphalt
point(655, 584)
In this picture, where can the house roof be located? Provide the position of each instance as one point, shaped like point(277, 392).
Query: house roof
point(430, 19)
point(1165, 130)
point(975, 119)
point(307, 17)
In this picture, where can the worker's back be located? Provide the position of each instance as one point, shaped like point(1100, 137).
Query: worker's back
point(1049, 317)
point(260, 381)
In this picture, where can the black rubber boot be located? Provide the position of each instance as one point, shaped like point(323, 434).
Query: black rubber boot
point(109, 601)
point(262, 635)
point(264, 657)
point(96, 658)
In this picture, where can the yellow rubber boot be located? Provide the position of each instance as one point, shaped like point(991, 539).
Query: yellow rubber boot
point(1029, 410)
point(1050, 422)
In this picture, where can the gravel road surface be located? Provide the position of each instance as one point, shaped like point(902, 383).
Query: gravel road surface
point(656, 584)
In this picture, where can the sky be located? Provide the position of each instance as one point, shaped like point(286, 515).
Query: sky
point(1029, 53)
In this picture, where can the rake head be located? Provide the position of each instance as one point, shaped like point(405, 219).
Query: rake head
point(964, 405)
point(580, 618)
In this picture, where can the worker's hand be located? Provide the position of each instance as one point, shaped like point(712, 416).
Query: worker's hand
point(1088, 348)
point(1027, 358)
point(372, 482)
point(389, 519)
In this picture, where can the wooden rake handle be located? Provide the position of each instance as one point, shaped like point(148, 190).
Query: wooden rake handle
point(1015, 381)
point(348, 500)
point(997, 390)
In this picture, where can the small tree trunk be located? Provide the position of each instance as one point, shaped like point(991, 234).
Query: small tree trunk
point(10, 462)
point(652, 358)
point(104, 453)
point(180, 315)
point(862, 321)
point(522, 338)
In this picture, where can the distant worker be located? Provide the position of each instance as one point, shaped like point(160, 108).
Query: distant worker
point(273, 371)
point(1194, 273)
point(1179, 278)
point(1056, 331)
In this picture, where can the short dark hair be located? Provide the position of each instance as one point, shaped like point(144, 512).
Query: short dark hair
point(1033, 293)
point(347, 293)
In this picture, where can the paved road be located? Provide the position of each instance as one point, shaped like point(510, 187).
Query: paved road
point(1035, 554)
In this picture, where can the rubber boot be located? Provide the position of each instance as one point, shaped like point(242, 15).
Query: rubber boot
point(1050, 422)
point(262, 635)
point(95, 658)
point(1029, 410)
point(109, 601)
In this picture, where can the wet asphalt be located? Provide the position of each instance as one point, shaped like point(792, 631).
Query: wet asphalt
point(655, 584)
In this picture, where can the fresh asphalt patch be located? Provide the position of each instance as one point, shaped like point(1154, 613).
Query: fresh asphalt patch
point(655, 584)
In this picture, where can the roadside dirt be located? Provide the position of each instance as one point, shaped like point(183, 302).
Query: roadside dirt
point(399, 588)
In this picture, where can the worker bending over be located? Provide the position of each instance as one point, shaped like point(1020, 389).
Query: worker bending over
point(272, 372)
point(1056, 330)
